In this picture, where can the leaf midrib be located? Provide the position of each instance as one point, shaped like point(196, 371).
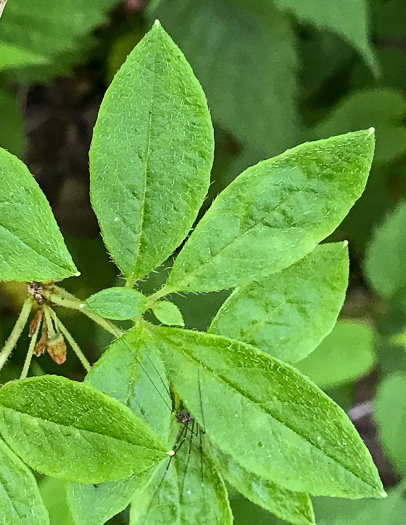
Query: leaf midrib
point(234, 387)
point(198, 270)
point(145, 173)
point(46, 421)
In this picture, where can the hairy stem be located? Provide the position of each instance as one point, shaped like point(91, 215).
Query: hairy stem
point(17, 331)
point(152, 299)
point(28, 358)
point(76, 304)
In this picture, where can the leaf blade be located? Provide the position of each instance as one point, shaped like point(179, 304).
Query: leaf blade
point(70, 427)
point(293, 507)
point(131, 159)
point(288, 314)
point(274, 213)
point(353, 28)
point(131, 371)
point(31, 246)
point(239, 383)
point(20, 499)
point(116, 303)
point(345, 355)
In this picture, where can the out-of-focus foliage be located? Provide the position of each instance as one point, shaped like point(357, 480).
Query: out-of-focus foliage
point(48, 33)
point(344, 355)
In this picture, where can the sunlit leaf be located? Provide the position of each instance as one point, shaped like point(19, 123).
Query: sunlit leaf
point(274, 213)
point(20, 500)
point(31, 245)
point(74, 432)
point(287, 314)
point(146, 190)
point(267, 416)
point(117, 303)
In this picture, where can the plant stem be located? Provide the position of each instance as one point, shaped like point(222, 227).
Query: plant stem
point(49, 322)
point(152, 299)
point(73, 344)
point(76, 304)
point(30, 353)
point(17, 331)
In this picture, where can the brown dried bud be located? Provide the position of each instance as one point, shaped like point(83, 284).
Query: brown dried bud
point(41, 345)
point(34, 325)
point(35, 289)
point(57, 349)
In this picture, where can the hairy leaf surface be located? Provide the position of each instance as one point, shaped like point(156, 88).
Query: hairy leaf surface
point(31, 245)
point(151, 155)
point(168, 313)
point(293, 434)
point(293, 507)
point(275, 213)
point(131, 371)
point(288, 314)
point(20, 500)
point(74, 432)
point(117, 303)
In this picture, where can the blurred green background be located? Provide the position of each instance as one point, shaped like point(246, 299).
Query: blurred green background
point(276, 73)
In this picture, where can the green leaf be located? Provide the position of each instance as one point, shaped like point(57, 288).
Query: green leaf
point(12, 56)
point(347, 18)
point(95, 504)
point(364, 512)
point(288, 314)
point(158, 503)
point(267, 416)
point(203, 495)
point(117, 303)
point(251, 85)
point(390, 409)
point(189, 490)
point(50, 32)
point(151, 155)
point(20, 500)
point(385, 268)
point(31, 245)
point(72, 431)
point(11, 129)
point(53, 492)
point(275, 213)
point(168, 313)
point(345, 355)
point(131, 371)
point(383, 108)
point(293, 507)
